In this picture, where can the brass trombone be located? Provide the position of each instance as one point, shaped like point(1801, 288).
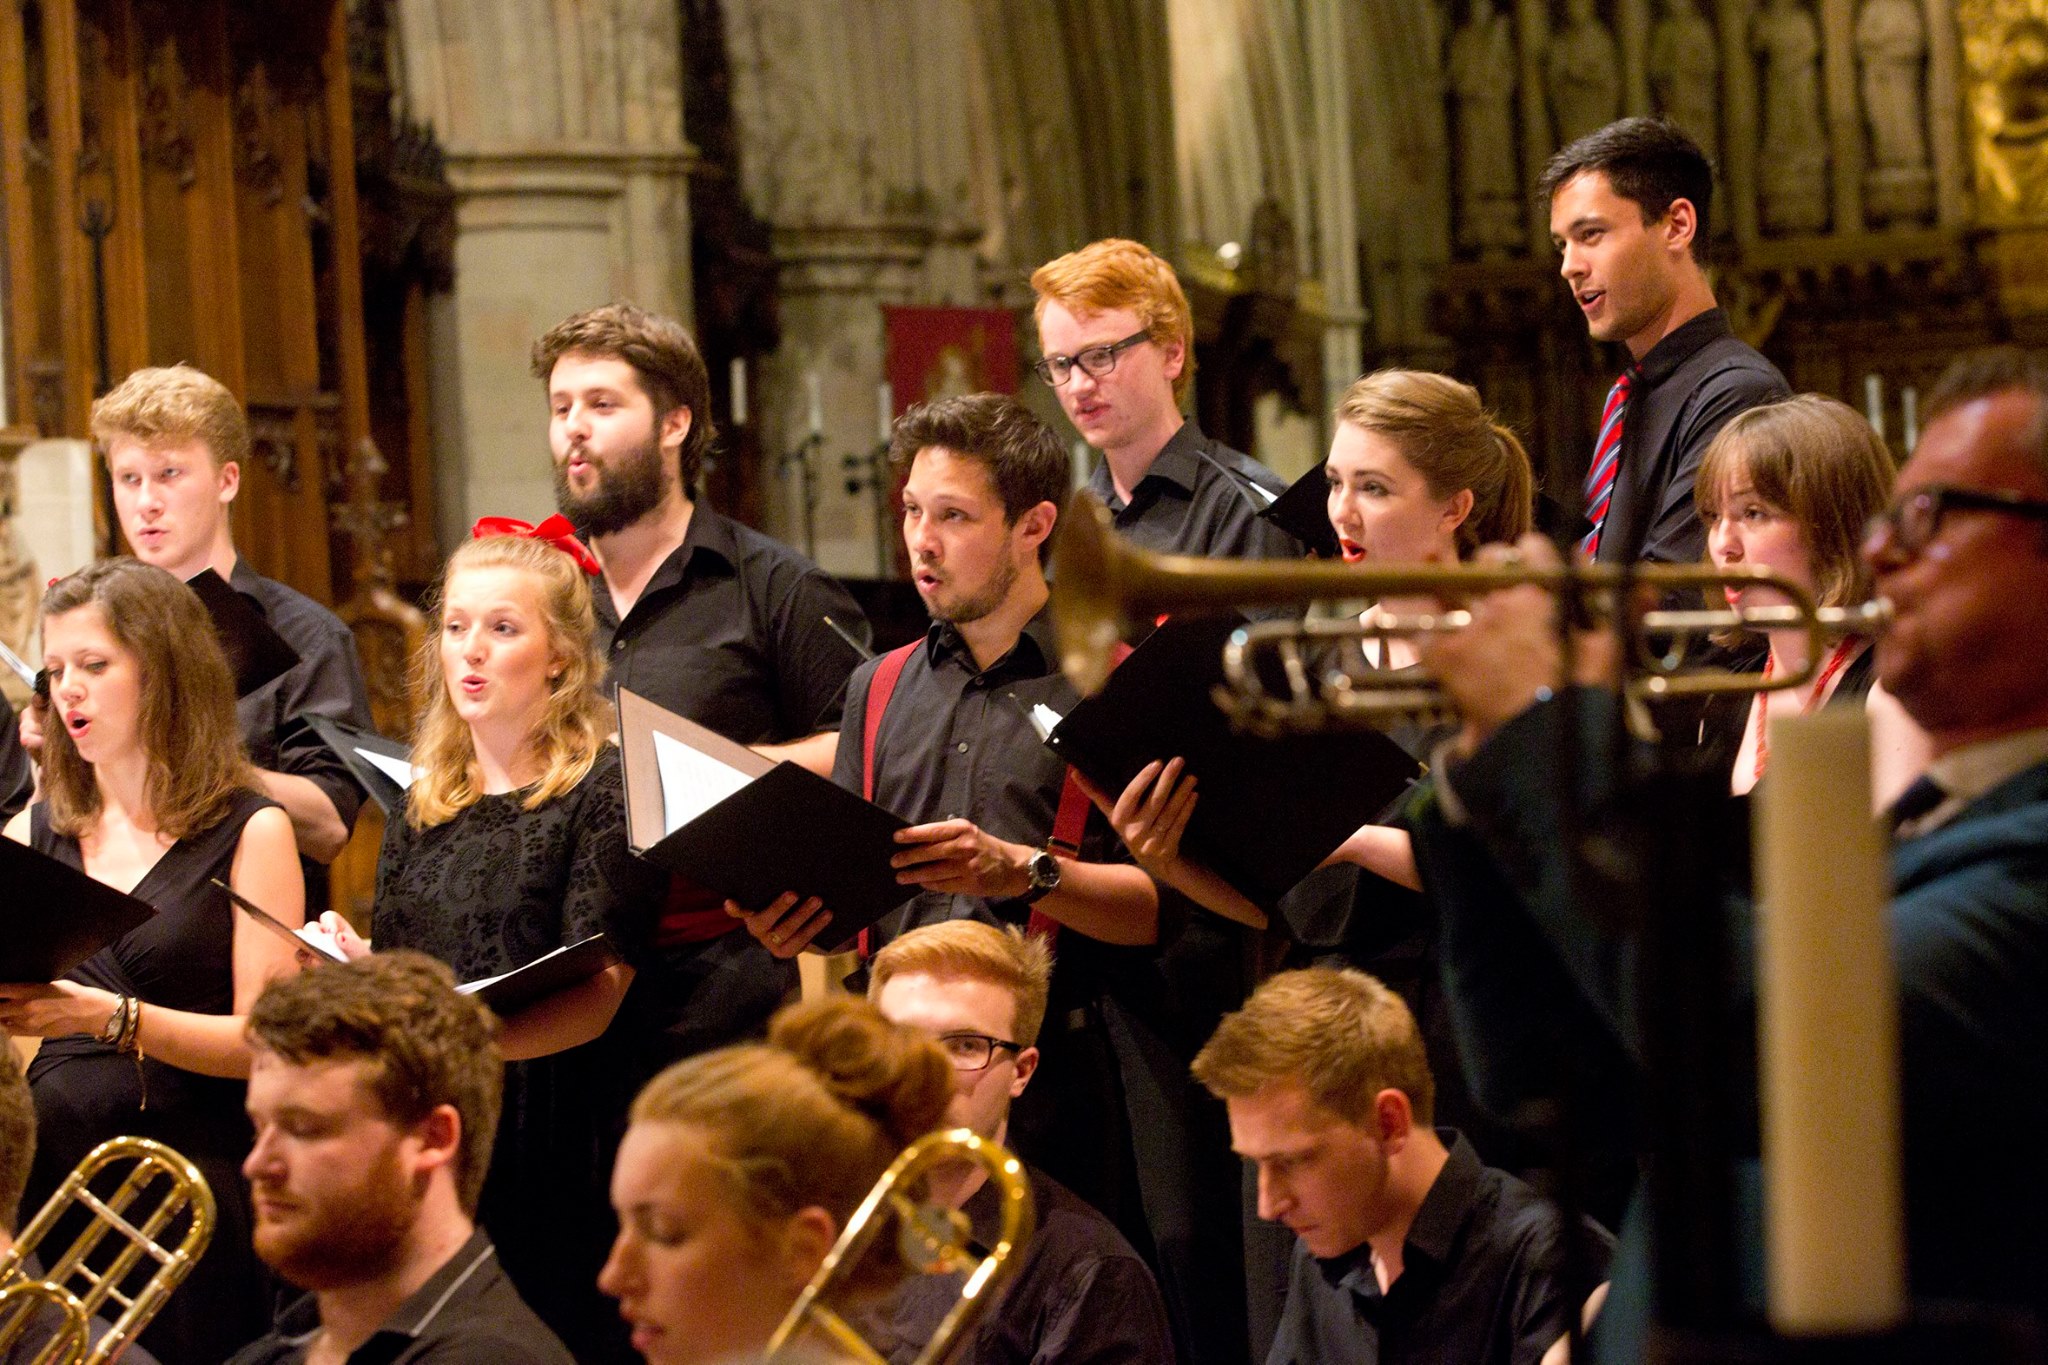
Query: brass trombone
point(1101, 586)
point(932, 1240)
point(74, 1290)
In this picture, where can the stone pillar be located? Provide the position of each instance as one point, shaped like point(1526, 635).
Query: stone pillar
point(564, 138)
point(861, 152)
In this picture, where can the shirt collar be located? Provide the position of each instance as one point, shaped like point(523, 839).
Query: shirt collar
point(299, 1324)
point(1449, 1200)
point(1434, 1230)
point(1675, 349)
point(1176, 463)
point(243, 579)
point(1032, 655)
point(709, 545)
point(1969, 772)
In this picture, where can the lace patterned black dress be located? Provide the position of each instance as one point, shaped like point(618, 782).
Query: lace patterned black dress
point(487, 892)
point(85, 1092)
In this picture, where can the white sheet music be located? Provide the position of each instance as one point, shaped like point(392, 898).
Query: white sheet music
point(397, 769)
point(691, 782)
point(1044, 720)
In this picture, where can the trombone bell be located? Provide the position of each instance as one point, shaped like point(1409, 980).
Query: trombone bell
point(931, 1240)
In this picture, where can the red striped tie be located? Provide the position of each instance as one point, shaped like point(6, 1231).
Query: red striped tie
point(1606, 461)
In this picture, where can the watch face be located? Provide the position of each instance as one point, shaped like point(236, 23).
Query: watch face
point(1045, 871)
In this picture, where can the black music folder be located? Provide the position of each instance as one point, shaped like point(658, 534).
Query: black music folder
point(311, 937)
point(382, 766)
point(546, 975)
point(256, 653)
point(1303, 512)
point(1269, 810)
point(56, 916)
point(750, 829)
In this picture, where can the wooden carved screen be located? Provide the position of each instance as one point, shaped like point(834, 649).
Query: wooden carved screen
point(180, 185)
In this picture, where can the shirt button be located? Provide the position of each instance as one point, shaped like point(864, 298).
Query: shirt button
point(618, 645)
point(961, 746)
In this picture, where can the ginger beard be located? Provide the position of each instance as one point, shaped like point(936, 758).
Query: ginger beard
point(338, 1235)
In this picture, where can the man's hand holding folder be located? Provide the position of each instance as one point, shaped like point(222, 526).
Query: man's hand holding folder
point(953, 856)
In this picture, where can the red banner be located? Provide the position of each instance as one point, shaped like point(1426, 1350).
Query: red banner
point(939, 352)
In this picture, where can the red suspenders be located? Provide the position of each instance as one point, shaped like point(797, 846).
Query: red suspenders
point(1069, 821)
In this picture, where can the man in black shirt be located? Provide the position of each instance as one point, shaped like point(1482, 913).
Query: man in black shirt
point(1628, 213)
point(1409, 1249)
point(17, 779)
point(174, 441)
point(1119, 344)
point(955, 749)
point(698, 613)
point(374, 1089)
point(1079, 1293)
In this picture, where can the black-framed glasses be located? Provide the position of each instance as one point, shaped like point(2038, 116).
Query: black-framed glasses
point(1914, 520)
point(974, 1051)
point(1095, 362)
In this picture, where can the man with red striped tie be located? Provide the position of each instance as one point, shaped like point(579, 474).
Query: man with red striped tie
point(1628, 213)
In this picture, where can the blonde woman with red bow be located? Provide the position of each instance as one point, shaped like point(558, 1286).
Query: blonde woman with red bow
point(513, 844)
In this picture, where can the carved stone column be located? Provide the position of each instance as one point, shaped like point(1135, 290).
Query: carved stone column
point(863, 154)
point(565, 146)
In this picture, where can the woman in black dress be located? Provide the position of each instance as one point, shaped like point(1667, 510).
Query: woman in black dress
point(1790, 486)
point(1419, 473)
point(514, 844)
point(145, 788)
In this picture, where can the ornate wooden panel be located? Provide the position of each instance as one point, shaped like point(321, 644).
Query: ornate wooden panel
point(178, 182)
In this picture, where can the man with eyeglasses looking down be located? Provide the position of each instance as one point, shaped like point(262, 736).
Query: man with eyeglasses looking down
point(1119, 346)
point(1962, 556)
point(1080, 1292)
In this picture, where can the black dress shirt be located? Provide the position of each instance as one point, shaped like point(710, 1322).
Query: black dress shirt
point(466, 1312)
point(730, 633)
point(1690, 384)
point(1079, 1295)
point(17, 778)
point(1196, 499)
point(1481, 1281)
point(326, 681)
point(957, 742)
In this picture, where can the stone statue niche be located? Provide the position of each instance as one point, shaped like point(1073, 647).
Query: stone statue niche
point(1891, 50)
point(1685, 72)
point(1792, 179)
point(1480, 74)
point(1582, 69)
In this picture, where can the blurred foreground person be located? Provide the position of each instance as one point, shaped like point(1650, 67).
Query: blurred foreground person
point(374, 1094)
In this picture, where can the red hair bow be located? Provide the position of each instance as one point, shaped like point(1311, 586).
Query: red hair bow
point(556, 531)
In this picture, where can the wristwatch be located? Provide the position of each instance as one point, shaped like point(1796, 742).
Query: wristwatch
point(1044, 870)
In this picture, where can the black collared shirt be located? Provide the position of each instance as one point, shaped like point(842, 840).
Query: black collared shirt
point(467, 1313)
point(1197, 499)
point(957, 742)
point(326, 681)
point(1079, 1293)
point(1690, 384)
point(1482, 1281)
point(730, 633)
point(17, 779)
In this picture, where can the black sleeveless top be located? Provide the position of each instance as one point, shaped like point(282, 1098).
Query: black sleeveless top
point(85, 1092)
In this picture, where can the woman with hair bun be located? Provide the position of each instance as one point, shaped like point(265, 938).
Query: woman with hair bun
point(1419, 473)
point(742, 1166)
